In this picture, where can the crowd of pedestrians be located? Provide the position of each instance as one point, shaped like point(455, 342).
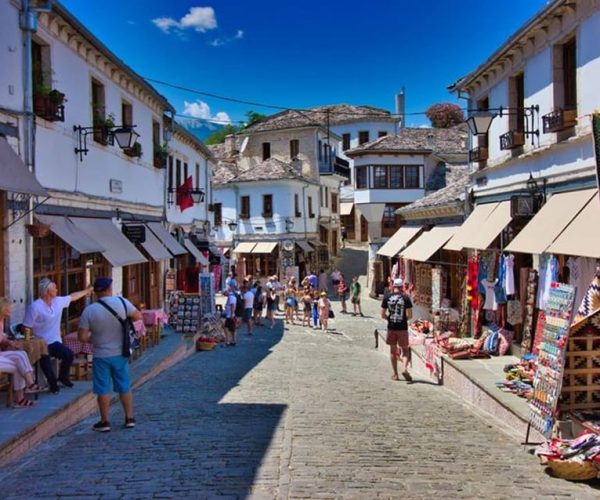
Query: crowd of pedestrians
point(306, 302)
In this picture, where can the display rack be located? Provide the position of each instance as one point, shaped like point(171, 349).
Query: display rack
point(551, 359)
point(184, 312)
point(206, 286)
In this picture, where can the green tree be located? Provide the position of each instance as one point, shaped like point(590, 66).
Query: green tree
point(444, 115)
point(253, 117)
point(218, 136)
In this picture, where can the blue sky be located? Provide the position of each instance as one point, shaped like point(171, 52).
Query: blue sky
point(303, 53)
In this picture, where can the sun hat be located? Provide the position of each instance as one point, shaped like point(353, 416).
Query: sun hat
point(323, 294)
point(398, 282)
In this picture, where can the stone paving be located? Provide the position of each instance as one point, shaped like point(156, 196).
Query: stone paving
point(291, 413)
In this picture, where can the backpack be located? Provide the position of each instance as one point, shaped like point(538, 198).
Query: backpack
point(130, 340)
point(240, 306)
point(492, 342)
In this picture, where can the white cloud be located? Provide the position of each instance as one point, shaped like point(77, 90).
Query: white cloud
point(200, 19)
point(218, 42)
point(201, 110)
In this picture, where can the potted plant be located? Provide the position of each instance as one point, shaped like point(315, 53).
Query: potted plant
point(160, 155)
point(48, 103)
point(103, 125)
point(134, 151)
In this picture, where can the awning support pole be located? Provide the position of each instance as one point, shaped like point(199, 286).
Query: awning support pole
point(26, 213)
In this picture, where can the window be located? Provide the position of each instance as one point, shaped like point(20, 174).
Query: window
point(334, 203)
point(363, 137)
point(155, 136)
point(362, 177)
point(294, 148)
point(267, 205)
point(396, 177)
point(297, 212)
point(411, 177)
point(41, 71)
point(320, 196)
point(345, 141)
point(98, 111)
point(266, 150)
point(126, 114)
point(244, 207)
point(388, 220)
point(170, 173)
point(380, 177)
point(326, 197)
point(177, 173)
point(320, 147)
point(198, 175)
point(569, 74)
point(517, 100)
point(310, 208)
point(381, 133)
point(218, 210)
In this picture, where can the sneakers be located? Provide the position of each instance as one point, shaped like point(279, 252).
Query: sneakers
point(129, 423)
point(102, 427)
point(66, 382)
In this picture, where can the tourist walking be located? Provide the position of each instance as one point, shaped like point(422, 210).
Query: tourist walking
point(343, 292)
point(322, 280)
point(248, 297)
point(259, 304)
point(335, 280)
point(230, 320)
point(43, 316)
point(324, 309)
point(307, 307)
point(355, 290)
point(101, 324)
point(344, 234)
point(271, 306)
point(397, 310)
point(291, 303)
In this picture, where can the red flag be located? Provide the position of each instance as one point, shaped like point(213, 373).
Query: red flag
point(184, 194)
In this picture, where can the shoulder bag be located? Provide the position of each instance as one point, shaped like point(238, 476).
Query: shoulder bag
point(130, 340)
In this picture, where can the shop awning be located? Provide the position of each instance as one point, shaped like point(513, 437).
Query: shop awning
point(119, 251)
point(244, 247)
point(428, 243)
point(195, 252)
point(581, 237)
point(70, 234)
point(492, 227)
point(16, 177)
point(154, 247)
point(163, 235)
point(264, 247)
point(304, 246)
point(470, 227)
point(398, 241)
point(346, 208)
point(550, 221)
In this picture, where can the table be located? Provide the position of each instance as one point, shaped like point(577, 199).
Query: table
point(153, 317)
point(72, 341)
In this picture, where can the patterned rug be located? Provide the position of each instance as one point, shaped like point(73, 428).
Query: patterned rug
point(590, 302)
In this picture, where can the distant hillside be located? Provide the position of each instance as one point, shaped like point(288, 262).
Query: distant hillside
point(200, 128)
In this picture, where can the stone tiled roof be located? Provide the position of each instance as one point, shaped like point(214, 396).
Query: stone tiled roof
point(227, 167)
point(337, 115)
point(457, 179)
point(271, 169)
point(431, 140)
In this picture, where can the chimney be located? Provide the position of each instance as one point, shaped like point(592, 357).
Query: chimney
point(430, 141)
point(230, 145)
point(400, 107)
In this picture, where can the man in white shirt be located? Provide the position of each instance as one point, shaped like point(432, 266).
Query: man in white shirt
point(43, 317)
point(230, 325)
point(248, 297)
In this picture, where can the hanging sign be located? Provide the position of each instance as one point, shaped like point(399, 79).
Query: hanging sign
point(136, 233)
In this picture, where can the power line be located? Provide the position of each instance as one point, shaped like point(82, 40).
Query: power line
point(323, 110)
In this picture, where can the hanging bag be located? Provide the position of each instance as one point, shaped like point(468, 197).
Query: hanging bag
point(130, 340)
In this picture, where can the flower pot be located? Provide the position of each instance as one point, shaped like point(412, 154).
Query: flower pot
point(38, 230)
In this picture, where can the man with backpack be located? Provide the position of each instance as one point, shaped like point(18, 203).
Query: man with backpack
point(101, 325)
point(397, 310)
point(230, 320)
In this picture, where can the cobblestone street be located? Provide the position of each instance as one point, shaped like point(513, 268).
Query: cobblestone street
point(289, 414)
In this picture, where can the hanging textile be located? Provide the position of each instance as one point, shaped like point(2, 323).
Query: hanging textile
point(590, 301)
point(582, 271)
point(509, 274)
point(529, 299)
point(472, 283)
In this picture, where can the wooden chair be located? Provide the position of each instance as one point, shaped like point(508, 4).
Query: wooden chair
point(81, 369)
point(6, 385)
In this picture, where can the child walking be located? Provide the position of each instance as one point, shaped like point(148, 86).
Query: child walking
point(324, 308)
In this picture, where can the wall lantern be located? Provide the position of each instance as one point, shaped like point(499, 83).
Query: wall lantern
point(196, 194)
point(125, 136)
point(289, 225)
point(479, 120)
point(232, 226)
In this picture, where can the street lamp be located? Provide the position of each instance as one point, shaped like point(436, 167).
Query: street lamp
point(126, 137)
point(232, 226)
point(479, 122)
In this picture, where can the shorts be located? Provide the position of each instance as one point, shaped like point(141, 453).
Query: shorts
point(230, 324)
point(271, 306)
point(335, 283)
point(247, 314)
point(115, 368)
point(397, 337)
point(355, 300)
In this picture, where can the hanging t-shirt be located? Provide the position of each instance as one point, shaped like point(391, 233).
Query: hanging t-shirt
point(551, 275)
point(490, 294)
point(509, 274)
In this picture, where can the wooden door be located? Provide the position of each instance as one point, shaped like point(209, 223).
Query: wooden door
point(364, 229)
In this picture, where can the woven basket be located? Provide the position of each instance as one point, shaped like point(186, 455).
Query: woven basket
point(204, 346)
point(572, 470)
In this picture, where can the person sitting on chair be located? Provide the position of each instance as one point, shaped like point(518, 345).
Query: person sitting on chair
point(43, 317)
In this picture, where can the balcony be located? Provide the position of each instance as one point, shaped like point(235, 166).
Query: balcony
point(50, 106)
point(339, 166)
point(512, 139)
point(558, 120)
point(478, 154)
